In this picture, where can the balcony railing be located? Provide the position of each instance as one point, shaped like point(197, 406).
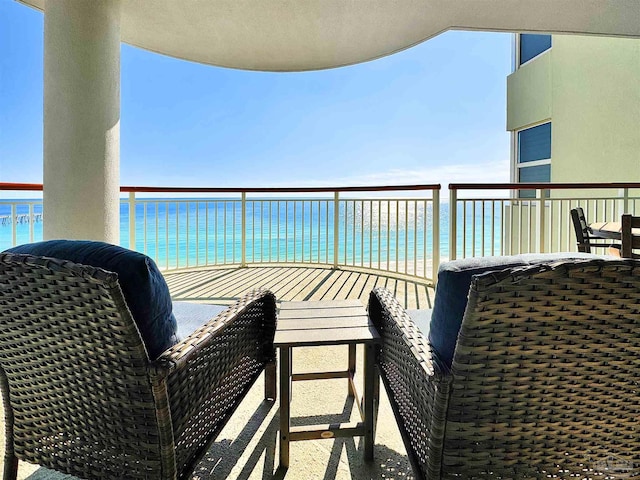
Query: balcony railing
point(400, 229)
point(353, 226)
point(493, 219)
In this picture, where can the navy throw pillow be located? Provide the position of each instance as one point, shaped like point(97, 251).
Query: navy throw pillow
point(452, 290)
point(142, 284)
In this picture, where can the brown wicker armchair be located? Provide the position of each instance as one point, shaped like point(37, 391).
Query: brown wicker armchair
point(80, 393)
point(545, 379)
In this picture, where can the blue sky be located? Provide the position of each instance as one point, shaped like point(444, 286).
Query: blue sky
point(434, 113)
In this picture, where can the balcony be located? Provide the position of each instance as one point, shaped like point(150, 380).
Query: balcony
point(214, 244)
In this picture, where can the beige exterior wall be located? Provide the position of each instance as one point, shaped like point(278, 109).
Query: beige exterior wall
point(529, 93)
point(589, 87)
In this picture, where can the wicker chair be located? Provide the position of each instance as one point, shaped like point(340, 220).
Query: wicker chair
point(545, 379)
point(80, 393)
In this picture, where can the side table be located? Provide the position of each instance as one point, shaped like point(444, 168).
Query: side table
point(316, 324)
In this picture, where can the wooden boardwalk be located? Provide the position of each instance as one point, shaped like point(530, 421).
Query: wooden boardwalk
point(224, 285)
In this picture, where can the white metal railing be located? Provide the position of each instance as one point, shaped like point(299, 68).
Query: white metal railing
point(354, 227)
point(398, 234)
point(495, 219)
point(20, 218)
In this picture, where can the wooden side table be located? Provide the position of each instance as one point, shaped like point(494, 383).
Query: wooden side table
point(316, 324)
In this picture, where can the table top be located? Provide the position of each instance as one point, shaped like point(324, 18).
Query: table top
point(335, 322)
point(610, 230)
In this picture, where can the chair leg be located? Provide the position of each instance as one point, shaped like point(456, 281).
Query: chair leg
point(10, 470)
point(270, 390)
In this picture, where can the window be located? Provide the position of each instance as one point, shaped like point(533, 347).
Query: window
point(534, 156)
point(534, 143)
point(532, 45)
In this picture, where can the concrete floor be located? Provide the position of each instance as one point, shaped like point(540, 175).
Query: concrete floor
point(248, 447)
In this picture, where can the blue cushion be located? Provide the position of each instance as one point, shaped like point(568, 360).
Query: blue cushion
point(422, 319)
point(142, 284)
point(191, 316)
point(454, 280)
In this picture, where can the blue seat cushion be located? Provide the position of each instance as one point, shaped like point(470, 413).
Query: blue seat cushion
point(191, 316)
point(454, 281)
point(142, 284)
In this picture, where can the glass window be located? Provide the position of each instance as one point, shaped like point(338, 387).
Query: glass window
point(534, 143)
point(540, 173)
point(532, 45)
point(537, 174)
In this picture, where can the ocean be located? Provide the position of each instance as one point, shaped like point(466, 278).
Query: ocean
point(395, 235)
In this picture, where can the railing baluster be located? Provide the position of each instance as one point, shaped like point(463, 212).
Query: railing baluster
point(166, 233)
point(243, 225)
point(206, 233)
point(435, 241)
point(379, 232)
point(177, 235)
point(473, 228)
point(406, 234)
point(541, 220)
point(336, 227)
point(187, 233)
point(132, 220)
point(453, 221)
point(370, 233)
point(144, 227)
point(361, 233)
point(197, 233)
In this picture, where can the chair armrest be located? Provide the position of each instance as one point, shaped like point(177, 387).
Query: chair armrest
point(210, 371)
point(256, 309)
point(416, 381)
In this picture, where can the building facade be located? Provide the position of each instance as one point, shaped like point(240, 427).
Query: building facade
point(573, 107)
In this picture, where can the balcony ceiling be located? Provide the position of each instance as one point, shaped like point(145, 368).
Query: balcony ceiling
point(298, 35)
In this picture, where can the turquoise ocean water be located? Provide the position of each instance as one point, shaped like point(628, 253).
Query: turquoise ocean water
point(180, 233)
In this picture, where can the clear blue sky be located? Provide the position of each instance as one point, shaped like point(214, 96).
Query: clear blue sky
point(432, 114)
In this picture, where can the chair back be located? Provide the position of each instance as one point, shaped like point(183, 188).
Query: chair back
point(630, 241)
point(581, 229)
point(545, 373)
point(74, 370)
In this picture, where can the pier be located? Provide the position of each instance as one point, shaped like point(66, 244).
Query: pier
point(20, 218)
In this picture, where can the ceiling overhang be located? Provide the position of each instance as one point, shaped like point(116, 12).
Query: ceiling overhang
point(299, 35)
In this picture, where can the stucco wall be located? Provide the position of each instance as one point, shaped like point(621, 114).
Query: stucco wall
point(590, 88)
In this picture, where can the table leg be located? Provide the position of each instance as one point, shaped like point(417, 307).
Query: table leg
point(285, 404)
point(352, 369)
point(369, 400)
point(270, 389)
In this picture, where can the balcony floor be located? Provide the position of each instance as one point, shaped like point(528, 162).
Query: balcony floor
point(224, 285)
point(247, 448)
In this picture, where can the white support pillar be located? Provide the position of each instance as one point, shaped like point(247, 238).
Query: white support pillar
point(82, 119)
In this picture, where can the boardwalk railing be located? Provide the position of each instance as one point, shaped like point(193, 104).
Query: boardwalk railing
point(508, 219)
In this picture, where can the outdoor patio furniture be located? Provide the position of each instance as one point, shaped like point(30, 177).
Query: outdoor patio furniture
point(630, 239)
point(322, 324)
point(543, 379)
point(84, 395)
point(583, 237)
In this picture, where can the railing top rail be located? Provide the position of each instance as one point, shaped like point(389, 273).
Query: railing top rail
point(377, 188)
point(539, 186)
point(21, 186)
point(382, 188)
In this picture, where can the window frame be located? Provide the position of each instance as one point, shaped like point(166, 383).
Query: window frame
point(517, 164)
point(518, 49)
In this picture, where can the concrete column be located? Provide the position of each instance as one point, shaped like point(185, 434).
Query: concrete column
point(82, 119)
